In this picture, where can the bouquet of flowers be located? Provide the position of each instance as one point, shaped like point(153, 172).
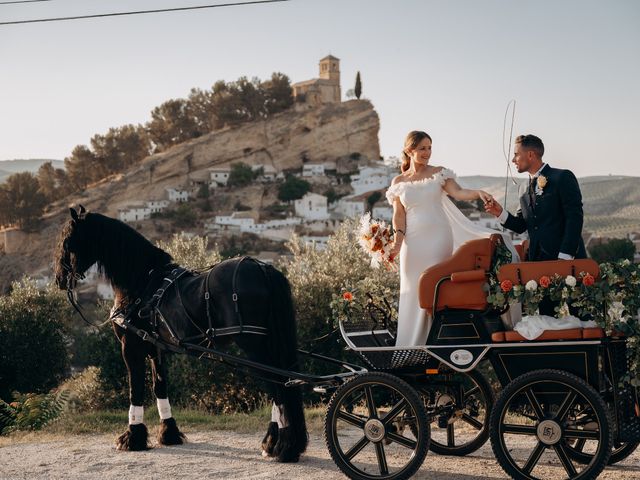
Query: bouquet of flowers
point(376, 239)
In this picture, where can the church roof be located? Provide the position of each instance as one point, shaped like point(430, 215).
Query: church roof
point(329, 57)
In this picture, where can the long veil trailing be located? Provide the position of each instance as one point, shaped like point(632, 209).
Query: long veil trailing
point(464, 230)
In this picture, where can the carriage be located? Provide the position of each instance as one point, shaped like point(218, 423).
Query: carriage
point(562, 410)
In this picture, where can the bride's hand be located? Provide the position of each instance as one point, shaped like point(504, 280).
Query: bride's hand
point(395, 250)
point(485, 197)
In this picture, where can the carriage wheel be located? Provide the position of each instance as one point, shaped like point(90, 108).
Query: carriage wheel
point(365, 428)
point(576, 450)
point(532, 421)
point(461, 406)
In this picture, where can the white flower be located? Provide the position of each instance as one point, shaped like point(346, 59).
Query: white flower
point(625, 262)
point(615, 311)
point(532, 286)
point(570, 281)
point(564, 311)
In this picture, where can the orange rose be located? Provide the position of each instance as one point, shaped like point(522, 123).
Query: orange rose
point(544, 281)
point(377, 245)
point(588, 280)
point(348, 296)
point(506, 286)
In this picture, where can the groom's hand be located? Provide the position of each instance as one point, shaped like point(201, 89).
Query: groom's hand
point(493, 207)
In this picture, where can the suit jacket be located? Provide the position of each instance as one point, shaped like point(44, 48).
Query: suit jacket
point(554, 221)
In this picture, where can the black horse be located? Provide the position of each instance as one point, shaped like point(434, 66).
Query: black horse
point(247, 300)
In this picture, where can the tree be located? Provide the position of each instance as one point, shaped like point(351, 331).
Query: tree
point(613, 250)
point(278, 93)
point(358, 88)
point(81, 167)
point(372, 199)
point(120, 148)
point(21, 201)
point(241, 175)
point(171, 123)
point(293, 188)
point(47, 181)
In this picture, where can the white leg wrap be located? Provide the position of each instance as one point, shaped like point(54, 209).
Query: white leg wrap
point(136, 415)
point(164, 409)
point(277, 415)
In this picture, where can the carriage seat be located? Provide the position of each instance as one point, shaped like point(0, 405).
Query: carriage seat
point(461, 277)
point(592, 333)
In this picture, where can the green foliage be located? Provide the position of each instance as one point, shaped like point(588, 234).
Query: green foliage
point(372, 199)
point(203, 191)
point(21, 201)
point(31, 411)
point(293, 188)
point(33, 351)
point(191, 251)
point(357, 90)
point(613, 250)
point(317, 276)
point(241, 175)
point(53, 182)
point(182, 216)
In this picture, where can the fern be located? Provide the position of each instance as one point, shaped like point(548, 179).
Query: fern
point(32, 411)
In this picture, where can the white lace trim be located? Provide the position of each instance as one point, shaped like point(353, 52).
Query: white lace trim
point(395, 190)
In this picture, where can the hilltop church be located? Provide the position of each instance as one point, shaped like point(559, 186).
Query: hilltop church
point(325, 89)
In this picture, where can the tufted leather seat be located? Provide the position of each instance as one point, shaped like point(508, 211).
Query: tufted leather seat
point(565, 334)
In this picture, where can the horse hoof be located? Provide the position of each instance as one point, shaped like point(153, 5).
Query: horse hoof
point(270, 439)
point(169, 434)
point(287, 450)
point(135, 439)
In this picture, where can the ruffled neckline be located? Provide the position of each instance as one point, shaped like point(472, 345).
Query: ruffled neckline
point(442, 173)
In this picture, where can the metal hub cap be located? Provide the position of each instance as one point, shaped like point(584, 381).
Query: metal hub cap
point(444, 399)
point(549, 432)
point(374, 430)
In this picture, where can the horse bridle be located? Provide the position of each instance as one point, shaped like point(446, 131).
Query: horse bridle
point(70, 271)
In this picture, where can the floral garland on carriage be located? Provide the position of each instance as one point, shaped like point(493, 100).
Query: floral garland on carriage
point(612, 301)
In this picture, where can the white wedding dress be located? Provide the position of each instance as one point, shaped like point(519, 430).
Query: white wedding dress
point(434, 229)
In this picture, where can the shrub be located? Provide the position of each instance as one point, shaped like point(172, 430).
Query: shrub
point(31, 411)
point(33, 353)
point(293, 188)
point(191, 252)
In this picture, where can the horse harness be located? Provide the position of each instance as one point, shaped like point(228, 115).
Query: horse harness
point(152, 309)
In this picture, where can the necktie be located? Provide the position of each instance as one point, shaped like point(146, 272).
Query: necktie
point(532, 191)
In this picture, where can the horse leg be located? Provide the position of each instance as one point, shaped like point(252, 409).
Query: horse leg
point(288, 414)
point(168, 433)
point(136, 437)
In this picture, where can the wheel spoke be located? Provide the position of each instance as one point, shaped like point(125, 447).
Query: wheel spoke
point(532, 461)
point(351, 419)
point(373, 412)
point(471, 391)
point(382, 459)
point(519, 429)
point(579, 444)
point(583, 435)
point(537, 408)
point(566, 405)
point(451, 435)
point(565, 460)
point(394, 412)
point(472, 421)
point(357, 448)
point(400, 440)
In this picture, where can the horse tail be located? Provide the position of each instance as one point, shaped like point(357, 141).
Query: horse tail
point(282, 347)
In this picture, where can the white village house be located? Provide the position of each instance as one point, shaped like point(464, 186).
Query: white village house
point(141, 211)
point(313, 170)
point(178, 195)
point(312, 207)
point(371, 178)
point(219, 176)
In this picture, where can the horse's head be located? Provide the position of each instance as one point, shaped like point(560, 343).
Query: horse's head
point(73, 254)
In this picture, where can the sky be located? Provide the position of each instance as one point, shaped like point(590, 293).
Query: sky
point(449, 67)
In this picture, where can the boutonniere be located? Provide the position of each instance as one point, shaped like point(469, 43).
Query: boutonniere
point(541, 182)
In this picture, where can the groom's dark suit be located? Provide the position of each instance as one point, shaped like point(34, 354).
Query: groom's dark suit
point(553, 218)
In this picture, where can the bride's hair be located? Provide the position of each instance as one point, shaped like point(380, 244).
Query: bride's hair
point(410, 143)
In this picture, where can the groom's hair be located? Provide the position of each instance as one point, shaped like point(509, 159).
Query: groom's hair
point(531, 142)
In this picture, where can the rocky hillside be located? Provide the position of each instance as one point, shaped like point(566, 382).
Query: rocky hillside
point(332, 132)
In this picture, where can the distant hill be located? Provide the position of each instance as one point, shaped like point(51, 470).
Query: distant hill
point(9, 167)
point(611, 203)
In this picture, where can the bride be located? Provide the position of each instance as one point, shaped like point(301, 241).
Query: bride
point(428, 228)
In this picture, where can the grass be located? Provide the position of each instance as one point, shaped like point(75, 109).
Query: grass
point(115, 422)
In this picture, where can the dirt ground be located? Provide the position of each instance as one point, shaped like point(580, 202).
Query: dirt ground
point(221, 455)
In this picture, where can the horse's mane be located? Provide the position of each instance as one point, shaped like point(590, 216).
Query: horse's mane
point(124, 256)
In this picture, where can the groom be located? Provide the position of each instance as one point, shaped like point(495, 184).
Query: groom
point(550, 207)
